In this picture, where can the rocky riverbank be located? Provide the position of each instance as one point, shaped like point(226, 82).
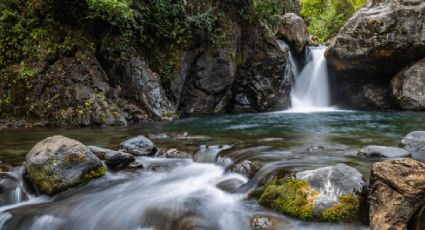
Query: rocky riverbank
point(338, 193)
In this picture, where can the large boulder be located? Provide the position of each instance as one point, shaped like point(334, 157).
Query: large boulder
point(326, 194)
point(408, 86)
point(381, 38)
point(383, 151)
point(139, 146)
point(396, 192)
point(293, 29)
point(332, 182)
point(58, 163)
point(414, 141)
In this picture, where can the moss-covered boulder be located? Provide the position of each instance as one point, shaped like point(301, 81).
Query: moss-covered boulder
point(294, 197)
point(330, 194)
point(58, 163)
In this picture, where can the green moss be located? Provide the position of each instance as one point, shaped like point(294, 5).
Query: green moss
point(346, 210)
point(290, 196)
point(100, 171)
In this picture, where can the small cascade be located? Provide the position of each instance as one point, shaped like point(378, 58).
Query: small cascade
point(311, 90)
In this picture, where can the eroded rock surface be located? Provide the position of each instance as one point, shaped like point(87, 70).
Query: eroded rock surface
point(396, 192)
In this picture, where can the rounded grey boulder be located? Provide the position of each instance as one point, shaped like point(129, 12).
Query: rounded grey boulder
point(383, 151)
point(414, 141)
point(58, 163)
point(139, 146)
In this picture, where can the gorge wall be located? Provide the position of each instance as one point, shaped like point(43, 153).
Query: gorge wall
point(86, 67)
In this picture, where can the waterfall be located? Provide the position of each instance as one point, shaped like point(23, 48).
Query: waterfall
point(311, 90)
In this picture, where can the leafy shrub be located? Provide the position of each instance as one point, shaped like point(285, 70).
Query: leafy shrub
point(326, 17)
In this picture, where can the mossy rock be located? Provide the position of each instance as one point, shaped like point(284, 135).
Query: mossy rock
point(58, 163)
point(294, 197)
point(345, 211)
point(297, 198)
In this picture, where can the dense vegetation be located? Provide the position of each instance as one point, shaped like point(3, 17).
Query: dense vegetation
point(326, 17)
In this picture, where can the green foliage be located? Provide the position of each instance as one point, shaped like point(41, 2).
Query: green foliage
point(328, 16)
point(268, 11)
point(290, 196)
point(346, 210)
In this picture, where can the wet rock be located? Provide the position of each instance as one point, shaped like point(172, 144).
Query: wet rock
point(396, 192)
point(414, 141)
point(58, 163)
point(175, 153)
point(230, 185)
point(408, 86)
point(293, 29)
point(12, 189)
point(247, 168)
point(209, 154)
point(139, 146)
point(332, 182)
point(381, 38)
point(261, 223)
point(115, 160)
point(383, 151)
point(315, 148)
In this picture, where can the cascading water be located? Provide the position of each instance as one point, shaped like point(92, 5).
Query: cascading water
point(311, 90)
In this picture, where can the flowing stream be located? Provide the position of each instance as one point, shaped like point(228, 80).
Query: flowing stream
point(311, 90)
point(200, 192)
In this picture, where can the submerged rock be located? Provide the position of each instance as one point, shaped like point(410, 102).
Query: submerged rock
point(292, 28)
point(58, 163)
point(139, 146)
point(115, 160)
point(408, 87)
point(246, 168)
point(175, 153)
point(396, 192)
point(383, 151)
point(326, 194)
point(261, 223)
point(414, 141)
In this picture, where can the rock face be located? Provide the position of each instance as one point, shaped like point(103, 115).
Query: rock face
point(381, 38)
point(396, 192)
point(293, 29)
point(115, 160)
point(139, 146)
point(58, 163)
point(383, 151)
point(408, 86)
point(414, 141)
point(137, 82)
point(249, 75)
point(332, 183)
